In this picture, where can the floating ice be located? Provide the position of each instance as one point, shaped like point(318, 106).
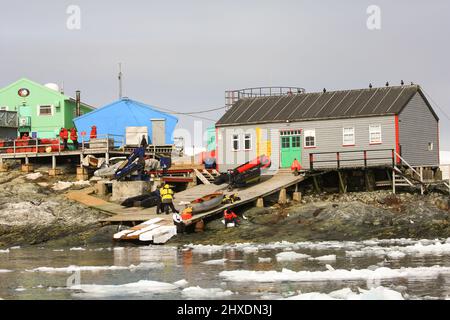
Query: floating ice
point(396, 255)
point(333, 275)
point(5, 270)
point(134, 288)
point(291, 256)
point(327, 258)
point(58, 250)
point(15, 248)
point(77, 249)
point(218, 261)
point(263, 260)
point(181, 283)
point(21, 289)
point(205, 293)
point(378, 293)
point(201, 248)
point(4, 251)
point(77, 268)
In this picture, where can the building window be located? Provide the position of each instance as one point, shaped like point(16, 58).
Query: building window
point(430, 146)
point(296, 142)
point(310, 138)
point(235, 140)
point(285, 142)
point(247, 141)
point(375, 134)
point(348, 136)
point(4, 108)
point(46, 110)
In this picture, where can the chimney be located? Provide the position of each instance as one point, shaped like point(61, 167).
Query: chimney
point(77, 101)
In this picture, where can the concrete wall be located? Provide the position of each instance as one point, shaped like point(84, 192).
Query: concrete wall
point(329, 138)
point(418, 128)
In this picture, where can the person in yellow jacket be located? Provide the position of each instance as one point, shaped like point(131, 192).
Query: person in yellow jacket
point(167, 199)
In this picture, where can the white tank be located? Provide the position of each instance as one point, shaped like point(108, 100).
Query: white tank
point(52, 86)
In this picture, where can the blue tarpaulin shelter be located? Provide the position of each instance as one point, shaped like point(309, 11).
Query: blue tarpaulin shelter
point(115, 117)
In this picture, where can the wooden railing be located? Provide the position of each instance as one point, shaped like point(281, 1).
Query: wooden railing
point(362, 156)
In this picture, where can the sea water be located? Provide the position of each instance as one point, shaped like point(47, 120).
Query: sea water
point(373, 269)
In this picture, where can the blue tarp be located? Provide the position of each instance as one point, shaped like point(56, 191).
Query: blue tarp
point(115, 117)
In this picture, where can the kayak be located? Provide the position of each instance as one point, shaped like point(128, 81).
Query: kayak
point(207, 202)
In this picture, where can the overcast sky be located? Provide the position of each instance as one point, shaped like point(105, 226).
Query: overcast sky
point(184, 54)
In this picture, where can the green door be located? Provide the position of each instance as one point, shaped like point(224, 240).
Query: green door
point(290, 149)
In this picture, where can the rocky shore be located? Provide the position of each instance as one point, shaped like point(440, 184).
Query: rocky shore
point(34, 210)
point(352, 216)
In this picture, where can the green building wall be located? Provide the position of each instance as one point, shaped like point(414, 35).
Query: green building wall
point(45, 126)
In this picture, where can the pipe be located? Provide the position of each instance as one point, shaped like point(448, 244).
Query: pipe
point(78, 102)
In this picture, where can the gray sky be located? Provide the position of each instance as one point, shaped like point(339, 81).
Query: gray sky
point(183, 55)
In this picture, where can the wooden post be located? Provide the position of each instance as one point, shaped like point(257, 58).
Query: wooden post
point(342, 182)
point(393, 181)
point(316, 184)
point(422, 189)
point(260, 203)
point(53, 162)
point(282, 199)
point(297, 196)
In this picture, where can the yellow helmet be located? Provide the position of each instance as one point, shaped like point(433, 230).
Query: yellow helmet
point(166, 186)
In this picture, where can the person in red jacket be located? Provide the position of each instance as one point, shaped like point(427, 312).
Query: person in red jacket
point(64, 135)
point(74, 137)
point(296, 167)
point(230, 217)
point(93, 132)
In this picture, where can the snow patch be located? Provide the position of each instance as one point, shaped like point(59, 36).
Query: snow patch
point(264, 260)
point(33, 176)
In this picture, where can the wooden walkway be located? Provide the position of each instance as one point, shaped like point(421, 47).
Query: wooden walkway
point(269, 185)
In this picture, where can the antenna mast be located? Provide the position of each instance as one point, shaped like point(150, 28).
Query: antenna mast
point(120, 80)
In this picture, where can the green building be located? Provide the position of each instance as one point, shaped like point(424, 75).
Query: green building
point(42, 110)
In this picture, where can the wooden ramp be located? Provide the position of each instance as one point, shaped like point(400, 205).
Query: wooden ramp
point(269, 185)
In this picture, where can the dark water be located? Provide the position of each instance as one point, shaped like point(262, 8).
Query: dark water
point(149, 272)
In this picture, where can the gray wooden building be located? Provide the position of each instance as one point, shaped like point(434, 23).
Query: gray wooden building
point(375, 127)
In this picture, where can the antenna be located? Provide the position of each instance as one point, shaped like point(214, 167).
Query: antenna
point(120, 80)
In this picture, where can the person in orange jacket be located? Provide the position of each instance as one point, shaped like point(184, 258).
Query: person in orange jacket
point(230, 217)
point(74, 137)
point(93, 132)
point(64, 135)
point(296, 167)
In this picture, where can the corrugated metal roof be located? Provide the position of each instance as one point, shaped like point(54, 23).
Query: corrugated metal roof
point(320, 105)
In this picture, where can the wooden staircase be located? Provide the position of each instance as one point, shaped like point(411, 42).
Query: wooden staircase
point(205, 176)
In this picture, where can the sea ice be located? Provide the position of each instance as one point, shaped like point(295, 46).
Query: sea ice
point(218, 261)
point(378, 293)
point(263, 260)
point(327, 258)
point(291, 256)
point(205, 293)
point(333, 275)
point(134, 288)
